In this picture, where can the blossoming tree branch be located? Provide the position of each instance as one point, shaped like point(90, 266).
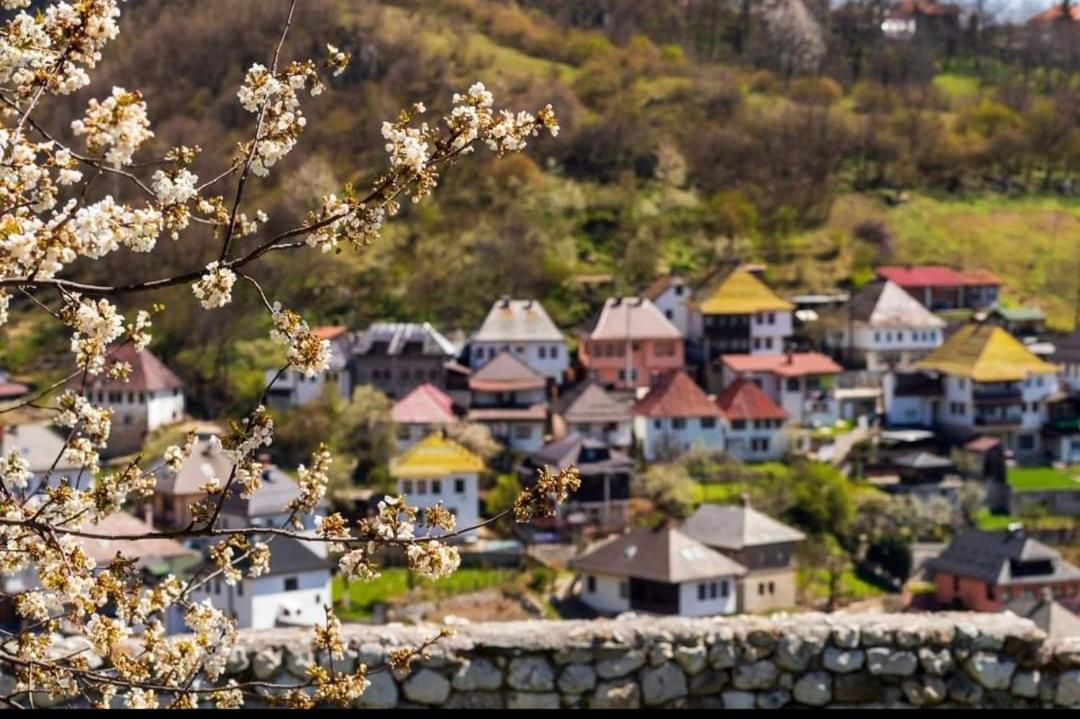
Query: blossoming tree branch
point(48, 225)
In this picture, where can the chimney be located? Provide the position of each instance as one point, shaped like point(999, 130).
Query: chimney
point(744, 499)
point(529, 304)
point(504, 301)
point(789, 356)
point(1014, 529)
point(616, 301)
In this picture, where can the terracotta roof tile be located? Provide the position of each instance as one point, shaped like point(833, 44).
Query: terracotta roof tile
point(742, 399)
point(676, 395)
point(796, 364)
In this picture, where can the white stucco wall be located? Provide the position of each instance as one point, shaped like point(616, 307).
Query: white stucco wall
point(672, 302)
point(769, 332)
point(691, 606)
point(606, 599)
point(658, 434)
point(465, 505)
point(257, 603)
point(738, 442)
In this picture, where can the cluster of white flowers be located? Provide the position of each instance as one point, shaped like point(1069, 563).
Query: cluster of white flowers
point(214, 289)
point(336, 59)
point(472, 118)
point(96, 325)
point(307, 352)
point(254, 431)
point(105, 226)
point(406, 146)
point(118, 126)
point(15, 470)
point(275, 97)
point(432, 559)
point(343, 219)
point(55, 48)
point(313, 482)
point(138, 332)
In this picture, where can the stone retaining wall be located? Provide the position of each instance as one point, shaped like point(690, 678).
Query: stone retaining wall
point(946, 659)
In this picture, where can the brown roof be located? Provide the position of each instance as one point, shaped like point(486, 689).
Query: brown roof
point(148, 373)
point(594, 404)
point(633, 317)
point(144, 550)
point(662, 554)
point(506, 373)
point(742, 399)
point(659, 286)
point(674, 394)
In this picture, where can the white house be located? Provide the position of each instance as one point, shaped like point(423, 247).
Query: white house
point(657, 571)
point(671, 294)
point(754, 425)
point(439, 470)
point(510, 398)
point(293, 592)
point(594, 412)
point(523, 328)
point(675, 416)
point(294, 388)
point(425, 410)
point(991, 384)
point(883, 328)
point(152, 397)
point(802, 383)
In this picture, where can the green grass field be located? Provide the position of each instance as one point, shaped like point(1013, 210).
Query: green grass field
point(1031, 479)
point(814, 581)
point(989, 522)
point(394, 584)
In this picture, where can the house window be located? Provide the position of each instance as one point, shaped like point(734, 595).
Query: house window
point(701, 592)
point(724, 589)
point(406, 486)
point(436, 486)
point(772, 588)
point(421, 486)
point(793, 384)
point(590, 584)
point(761, 589)
point(678, 423)
point(656, 423)
point(291, 584)
point(459, 486)
point(712, 590)
point(523, 431)
point(669, 314)
point(403, 431)
point(738, 424)
point(624, 589)
point(542, 350)
point(240, 588)
point(554, 352)
point(708, 422)
point(990, 592)
point(757, 343)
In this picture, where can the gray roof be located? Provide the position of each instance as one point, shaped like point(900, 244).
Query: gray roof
point(989, 556)
point(922, 460)
point(590, 455)
point(276, 491)
point(518, 321)
point(288, 556)
point(1067, 349)
point(886, 304)
point(205, 463)
point(661, 554)
point(1049, 615)
point(733, 527)
point(594, 404)
point(395, 338)
point(38, 444)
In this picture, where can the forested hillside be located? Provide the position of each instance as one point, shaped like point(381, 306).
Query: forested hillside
point(696, 134)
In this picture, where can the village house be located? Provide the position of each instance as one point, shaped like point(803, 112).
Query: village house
point(439, 470)
point(926, 20)
point(523, 328)
point(925, 475)
point(396, 357)
point(657, 570)
point(593, 412)
point(982, 571)
point(671, 295)
point(802, 383)
point(293, 388)
point(509, 397)
point(764, 546)
point(753, 423)
point(267, 506)
point(175, 491)
point(152, 397)
point(675, 416)
point(604, 495)
point(293, 592)
point(992, 385)
point(882, 328)
point(943, 288)
point(630, 341)
point(425, 410)
point(1061, 433)
point(1067, 356)
point(1025, 323)
point(43, 449)
point(741, 316)
point(1048, 614)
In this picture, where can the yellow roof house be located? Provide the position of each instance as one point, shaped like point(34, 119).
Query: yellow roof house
point(435, 456)
point(741, 293)
point(985, 352)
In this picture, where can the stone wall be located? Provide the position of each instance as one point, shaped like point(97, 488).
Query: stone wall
point(946, 659)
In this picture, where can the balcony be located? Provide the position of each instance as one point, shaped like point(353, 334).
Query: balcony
point(996, 393)
point(996, 420)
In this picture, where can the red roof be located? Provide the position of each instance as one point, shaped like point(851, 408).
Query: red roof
point(329, 332)
point(148, 374)
point(936, 276)
point(426, 404)
point(9, 390)
point(676, 395)
point(1053, 14)
point(796, 364)
point(742, 399)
